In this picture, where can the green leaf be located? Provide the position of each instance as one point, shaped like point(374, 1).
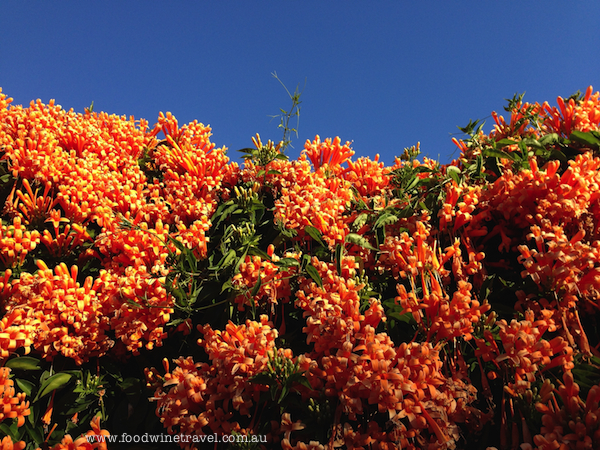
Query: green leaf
point(338, 258)
point(315, 234)
point(304, 382)
point(24, 363)
point(479, 166)
point(361, 241)
point(360, 220)
point(36, 435)
point(380, 236)
point(258, 252)
point(257, 286)
point(129, 385)
point(493, 164)
point(175, 322)
point(262, 378)
point(287, 262)
point(25, 386)
point(499, 154)
point(226, 260)
point(180, 246)
point(454, 173)
point(358, 198)
point(557, 154)
point(222, 207)
point(472, 128)
point(79, 407)
point(405, 212)
point(589, 138)
point(385, 219)
point(195, 295)
point(504, 143)
point(224, 215)
point(133, 303)
point(530, 142)
point(549, 139)
point(5, 429)
point(413, 183)
point(406, 317)
point(284, 392)
point(514, 102)
point(305, 261)
point(486, 286)
point(53, 383)
point(241, 260)
point(228, 285)
point(314, 274)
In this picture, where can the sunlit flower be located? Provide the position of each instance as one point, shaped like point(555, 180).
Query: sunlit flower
point(12, 404)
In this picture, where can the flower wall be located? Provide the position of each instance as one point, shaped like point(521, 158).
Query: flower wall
point(148, 282)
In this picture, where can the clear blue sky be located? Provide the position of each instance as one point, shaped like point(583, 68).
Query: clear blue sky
point(383, 74)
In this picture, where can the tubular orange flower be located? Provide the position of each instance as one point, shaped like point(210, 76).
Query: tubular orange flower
point(369, 177)
point(198, 398)
point(16, 242)
point(575, 424)
point(273, 286)
point(93, 439)
point(319, 202)
point(7, 444)
point(33, 207)
point(70, 317)
point(12, 404)
point(328, 152)
point(19, 328)
point(82, 178)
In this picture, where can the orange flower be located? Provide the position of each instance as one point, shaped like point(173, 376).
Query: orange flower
point(575, 424)
point(274, 283)
point(19, 328)
point(319, 202)
point(12, 405)
point(16, 242)
point(70, 316)
point(327, 152)
point(199, 398)
point(287, 426)
point(7, 444)
point(525, 350)
point(369, 177)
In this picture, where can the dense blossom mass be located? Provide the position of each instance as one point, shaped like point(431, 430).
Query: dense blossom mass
point(319, 303)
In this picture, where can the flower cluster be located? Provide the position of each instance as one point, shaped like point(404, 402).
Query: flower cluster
point(574, 425)
point(14, 405)
point(362, 367)
point(74, 174)
point(272, 284)
point(70, 317)
point(336, 303)
point(525, 350)
point(201, 398)
point(95, 438)
point(16, 242)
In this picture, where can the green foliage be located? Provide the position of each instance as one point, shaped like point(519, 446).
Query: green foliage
point(67, 392)
point(283, 377)
point(286, 116)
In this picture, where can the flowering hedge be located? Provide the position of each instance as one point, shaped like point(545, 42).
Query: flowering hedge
point(148, 282)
